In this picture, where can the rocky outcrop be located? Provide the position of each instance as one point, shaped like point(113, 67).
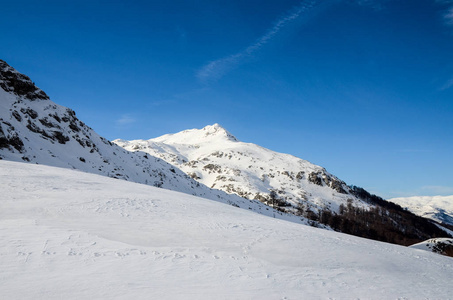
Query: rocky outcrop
point(19, 84)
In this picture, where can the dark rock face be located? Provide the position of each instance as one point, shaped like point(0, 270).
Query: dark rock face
point(213, 168)
point(10, 140)
point(315, 178)
point(19, 84)
point(320, 178)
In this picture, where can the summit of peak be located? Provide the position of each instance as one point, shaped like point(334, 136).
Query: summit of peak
point(214, 128)
point(217, 130)
point(215, 125)
point(208, 134)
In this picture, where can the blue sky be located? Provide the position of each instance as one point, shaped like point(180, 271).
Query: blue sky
point(363, 88)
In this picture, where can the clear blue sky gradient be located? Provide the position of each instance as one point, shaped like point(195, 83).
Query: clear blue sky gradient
point(363, 88)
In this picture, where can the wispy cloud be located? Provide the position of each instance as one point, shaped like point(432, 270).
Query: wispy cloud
point(447, 85)
point(448, 16)
point(216, 69)
point(448, 20)
point(125, 119)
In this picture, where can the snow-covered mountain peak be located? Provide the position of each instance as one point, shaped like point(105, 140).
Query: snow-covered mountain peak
point(209, 134)
point(19, 84)
point(214, 157)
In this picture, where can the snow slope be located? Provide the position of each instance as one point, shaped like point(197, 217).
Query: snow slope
point(214, 157)
point(71, 235)
point(36, 130)
point(438, 208)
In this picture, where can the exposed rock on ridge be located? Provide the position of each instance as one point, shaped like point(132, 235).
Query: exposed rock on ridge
point(19, 84)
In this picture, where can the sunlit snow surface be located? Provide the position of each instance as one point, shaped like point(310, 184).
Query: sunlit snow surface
point(70, 235)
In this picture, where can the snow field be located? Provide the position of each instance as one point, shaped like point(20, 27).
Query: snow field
point(68, 234)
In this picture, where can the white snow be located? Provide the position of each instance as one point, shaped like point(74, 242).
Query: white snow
point(65, 234)
point(438, 208)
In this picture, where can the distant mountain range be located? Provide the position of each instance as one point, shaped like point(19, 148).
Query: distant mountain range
point(437, 208)
point(208, 162)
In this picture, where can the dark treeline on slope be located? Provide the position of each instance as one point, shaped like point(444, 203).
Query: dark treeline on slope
point(386, 222)
point(382, 224)
point(443, 247)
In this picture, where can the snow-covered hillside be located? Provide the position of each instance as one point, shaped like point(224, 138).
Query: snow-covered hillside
point(438, 208)
point(214, 157)
point(34, 129)
point(71, 235)
point(438, 245)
